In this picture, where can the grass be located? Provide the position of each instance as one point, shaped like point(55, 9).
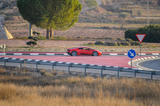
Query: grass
point(83, 92)
point(75, 91)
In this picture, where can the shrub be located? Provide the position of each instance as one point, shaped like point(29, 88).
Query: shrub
point(122, 43)
point(36, 33)
point(30, 37)
point(99, 43)
point(132, 43)
point(41, 37)
point(152, 32)
point(110, 44)
point(31, 43)
point(90, 43)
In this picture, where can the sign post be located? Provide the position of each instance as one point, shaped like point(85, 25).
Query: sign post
point(131, 55)
point(140, 38)
point(4, 48)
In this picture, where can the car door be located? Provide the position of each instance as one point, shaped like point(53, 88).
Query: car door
point(81, 51)
point(87, 51)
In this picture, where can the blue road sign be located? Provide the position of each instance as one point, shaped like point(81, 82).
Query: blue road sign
point(131, 53)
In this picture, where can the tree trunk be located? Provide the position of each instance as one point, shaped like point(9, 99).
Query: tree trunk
point(47, 34)
point(51, 33)
point(30, 30)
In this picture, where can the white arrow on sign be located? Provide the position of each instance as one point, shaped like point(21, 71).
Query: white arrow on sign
point(140, 37)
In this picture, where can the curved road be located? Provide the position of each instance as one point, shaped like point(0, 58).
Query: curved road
point(152, 64)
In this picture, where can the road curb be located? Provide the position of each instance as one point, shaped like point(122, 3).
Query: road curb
point(137, 61)
point(65, 54)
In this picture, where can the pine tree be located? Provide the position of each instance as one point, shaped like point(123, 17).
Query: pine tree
point(50, 14)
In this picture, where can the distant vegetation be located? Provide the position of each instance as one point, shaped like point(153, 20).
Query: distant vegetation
point(91, 3)
point(117, 42)
point(152, 33)
point(27, 88)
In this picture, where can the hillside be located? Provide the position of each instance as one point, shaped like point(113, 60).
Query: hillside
point(104, 11)
point(111, 12)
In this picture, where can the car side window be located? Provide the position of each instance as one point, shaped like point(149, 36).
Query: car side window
point(81, 48)
point(86, 48)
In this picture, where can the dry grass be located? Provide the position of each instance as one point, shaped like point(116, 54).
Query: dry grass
point(88, 91)
point(23, 89)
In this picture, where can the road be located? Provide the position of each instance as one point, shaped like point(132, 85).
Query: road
point(118, 61)
point(152, 64)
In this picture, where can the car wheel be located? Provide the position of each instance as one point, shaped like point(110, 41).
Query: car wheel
point(95, 54)
point(74, 53)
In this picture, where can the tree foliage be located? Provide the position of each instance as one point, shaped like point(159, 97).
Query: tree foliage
point(50, 14)
point(152, 32)
point(159, 2)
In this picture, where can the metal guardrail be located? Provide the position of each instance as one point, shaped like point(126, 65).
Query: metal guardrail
point(104, 70)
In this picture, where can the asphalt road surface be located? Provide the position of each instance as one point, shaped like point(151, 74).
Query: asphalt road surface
point(152, 64)
point(119, 61)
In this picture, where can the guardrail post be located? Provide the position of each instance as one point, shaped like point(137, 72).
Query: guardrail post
point(69, 69)
point(36, 66)
point(135, 72)
point(5, 61)
point(52, 67)
point(102, 71)
point(85, 71)
point(151, 75)
point(20, 66)
point(118, 73)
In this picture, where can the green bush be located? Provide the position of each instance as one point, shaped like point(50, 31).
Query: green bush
point(122, 44)
point(41, 37)
point(152, 32)
point(99, 43)
point(111, 43)
point(132, 43)
point(31, 43)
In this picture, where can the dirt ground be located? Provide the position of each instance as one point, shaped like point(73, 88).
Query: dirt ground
point(61, 46)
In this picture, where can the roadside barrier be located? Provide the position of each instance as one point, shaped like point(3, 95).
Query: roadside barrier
point(104, 71)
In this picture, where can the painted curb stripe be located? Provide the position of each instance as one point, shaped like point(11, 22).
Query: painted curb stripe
point(2, 53)
point(65, 54)
point(155, 54)
point(50, 54)
point(113, 54)
point(17, 54)
point(34, 54)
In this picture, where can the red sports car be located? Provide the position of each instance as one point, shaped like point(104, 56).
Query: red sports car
point(83, 51)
